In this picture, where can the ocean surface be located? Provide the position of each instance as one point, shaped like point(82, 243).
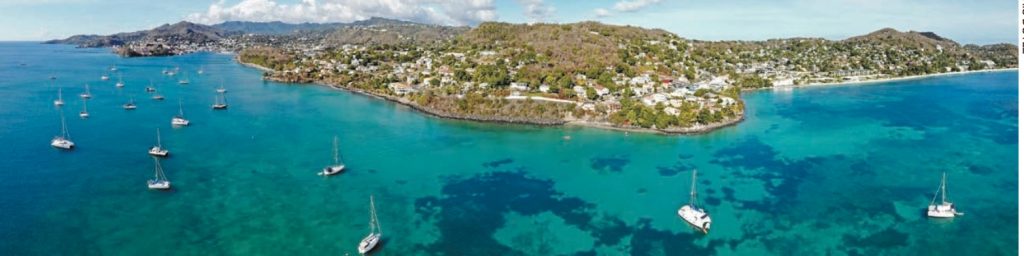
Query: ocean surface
point(840, 170)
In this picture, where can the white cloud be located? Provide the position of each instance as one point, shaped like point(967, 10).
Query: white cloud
point(537, 10)
point(633, 5)
point(456, 12)
point(601, 13)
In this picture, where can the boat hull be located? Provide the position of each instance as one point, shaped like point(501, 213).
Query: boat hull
point(179, 122)
point(332, 170)
point(62, 143)
point(369, 243)
point(158, 185)
point(696, 218)
point(155, 151)
point(946, 210)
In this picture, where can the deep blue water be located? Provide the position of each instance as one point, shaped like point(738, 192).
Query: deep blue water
point(842, 170)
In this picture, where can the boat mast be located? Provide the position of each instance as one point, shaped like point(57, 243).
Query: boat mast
point(181, 112)
point(159, 172)
point(374, 225)
point(60, 94)
point(693, 188)
point(943, 187)
point(63, 126)
point(158, 138)
point(336, 150)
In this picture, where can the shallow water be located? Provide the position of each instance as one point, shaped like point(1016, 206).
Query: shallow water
point(844, 170)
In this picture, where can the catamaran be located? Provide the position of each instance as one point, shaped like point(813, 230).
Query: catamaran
point(693, 214)
point(60, 98)
point(120, 81)
point(337, 167)
point(370, 241)
point(945, 209)
point(130, 105)
point(218, 104)
point(85, 110)
point(62, 141)
point(179, 120)
point(159, 180)
point(158, 150)
point(86, 94)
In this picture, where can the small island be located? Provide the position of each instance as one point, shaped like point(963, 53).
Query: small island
point(588, 73)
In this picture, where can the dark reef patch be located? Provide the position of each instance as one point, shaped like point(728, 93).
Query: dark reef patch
point(497, 163)
point(611, 163)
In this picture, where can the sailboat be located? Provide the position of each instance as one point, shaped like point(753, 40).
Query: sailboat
point(62, 141)
point(200, 71)
point(179, 120)
point(218, 104)
point(113, 68)
point(945, 209)
point(104, 77)
point(337, 167)
point(120, 81)
point(150, 88)
point(158, 150)
point(693, 214)
point(221, 89)
point(85, 110)
point(183, 80)
point(370, 241)
point(156, 95)
point(159, 180)
point(60, 98)
point(130, 105)
point(86, 94)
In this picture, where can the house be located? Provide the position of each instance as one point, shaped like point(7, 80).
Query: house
point(544, 88)
point(515, 86)
point(601, 90)
point(580, 91)
point(671, 111)
point(401, 88)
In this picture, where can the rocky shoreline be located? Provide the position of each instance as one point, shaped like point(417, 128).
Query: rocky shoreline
point(700, 129)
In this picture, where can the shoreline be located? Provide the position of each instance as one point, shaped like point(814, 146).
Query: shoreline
point(890, 79)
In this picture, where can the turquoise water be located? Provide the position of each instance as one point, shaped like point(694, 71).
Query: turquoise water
point(844, 170)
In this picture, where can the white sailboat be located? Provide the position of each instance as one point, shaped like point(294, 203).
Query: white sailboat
point(337, 167)
point(184, 80)
point(158, 150)
point(104, 77)
point(130, 105)
point(86, 94)
point(120, 81)
point(371, 240)
point(944, 209)
point(60, 98)
point(692, 214)
point(218, 103)
point(221, 89)
point(200, 71)
point(150, 88)
point(156, 95)
point(62, 141)
point(179, 120)
point(113, 68)
point(85, 110)
point(159, 180)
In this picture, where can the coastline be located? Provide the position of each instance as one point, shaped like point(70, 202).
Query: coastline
point(892, 79)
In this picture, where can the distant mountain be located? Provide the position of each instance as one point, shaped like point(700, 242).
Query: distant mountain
point(180, 32)
point(893, 36)
point(273, 28)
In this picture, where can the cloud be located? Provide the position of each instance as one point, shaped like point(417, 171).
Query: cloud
point(601, 13)
point(633, 5)
point(455, 12)
point(537, 10)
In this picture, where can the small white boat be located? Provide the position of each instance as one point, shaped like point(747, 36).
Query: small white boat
point(159, 181)
point(944, 209)
point(183, 80)
point(371, 240)
point(130, 105)
point(104, 77)
point(158, 97)
point(86, 94)
point(62, 141)
point(60, 98)
point(693, 214)
point(113, 68)
point(218, 103)
point(179, 120)
point(221, 89)
point(85, 110)
point(158, 150)
point(200, 71)
point(337, 167)
point(120, 81)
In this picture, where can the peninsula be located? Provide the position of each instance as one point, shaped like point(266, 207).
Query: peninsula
point(588, 73)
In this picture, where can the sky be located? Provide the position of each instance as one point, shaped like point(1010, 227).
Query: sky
point(974, 21)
